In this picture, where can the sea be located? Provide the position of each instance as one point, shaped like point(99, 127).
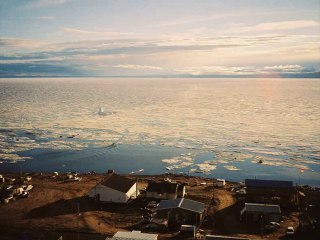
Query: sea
point(262, 128)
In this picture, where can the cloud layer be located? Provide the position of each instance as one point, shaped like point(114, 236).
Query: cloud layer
point(125, 38)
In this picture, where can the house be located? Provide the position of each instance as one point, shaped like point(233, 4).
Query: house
point(270, 191)
point(181, 211)
point(165, 190)
point(134, 235)
point(258, 212)
point(114, 188)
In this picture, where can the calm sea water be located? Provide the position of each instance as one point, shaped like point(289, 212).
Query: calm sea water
point(206, 127)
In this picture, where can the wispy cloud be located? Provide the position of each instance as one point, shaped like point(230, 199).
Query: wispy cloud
point(86, 32)
point(244, 70)
point(45, 18)
point(137, 67)
point(205, 70)
point(275, 26)
point(287, 68)
point(21, 44)
point(46, 3)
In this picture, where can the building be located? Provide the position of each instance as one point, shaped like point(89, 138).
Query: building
point(134, 235)
point(114, 188)
point(270, 191)
point(181, 211)
point(165, 190)
point(257, 212)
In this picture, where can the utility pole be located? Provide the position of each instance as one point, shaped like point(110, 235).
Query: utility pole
point(137, 187)
point(261, 226)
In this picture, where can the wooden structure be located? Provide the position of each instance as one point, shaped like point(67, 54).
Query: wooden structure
point(165, 190)
point(181, 211)
point(261, 212)
point(270, 192)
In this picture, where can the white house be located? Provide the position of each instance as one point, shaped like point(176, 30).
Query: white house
point(114, 188)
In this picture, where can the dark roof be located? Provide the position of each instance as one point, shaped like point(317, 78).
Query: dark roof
point(162, 187)
point(268, 183)
point(118, 182)
point(167, 204)
point(182, 203)
point(261, 208)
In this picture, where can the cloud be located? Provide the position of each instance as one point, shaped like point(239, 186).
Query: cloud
point(46, 18)
point(86, 32)
point(191, 56)
point(230, 15)
point(205, 70)
point(288, 69)
point(244, 70)
point(46, 3)
point(22, 44)
point(137, 67)
point(275, 26)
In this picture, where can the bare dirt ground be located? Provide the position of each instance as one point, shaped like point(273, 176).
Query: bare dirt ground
point(52, 210)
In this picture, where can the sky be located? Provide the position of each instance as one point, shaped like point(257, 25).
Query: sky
point(159, 38)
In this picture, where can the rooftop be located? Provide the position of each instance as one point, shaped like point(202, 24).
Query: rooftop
point(119, 183)
point(261, 208)
point(162, 187)
point(182, 203)
point(268, 183)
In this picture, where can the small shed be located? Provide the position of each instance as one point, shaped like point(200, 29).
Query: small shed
point(270, 191)
point(181, 211)
point(114, 188)
point(255, 212)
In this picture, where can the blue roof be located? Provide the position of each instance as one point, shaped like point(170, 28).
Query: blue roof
point(268, 183)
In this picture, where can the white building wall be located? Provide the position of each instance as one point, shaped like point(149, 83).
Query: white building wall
point(111, 195)
point(132, 191)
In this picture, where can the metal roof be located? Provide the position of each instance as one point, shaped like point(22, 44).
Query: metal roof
point(268, 183)
point(261, 208)
point(182, 203)
point(134, 235)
